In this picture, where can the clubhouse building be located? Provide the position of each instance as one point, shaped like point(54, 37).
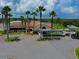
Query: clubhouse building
point(32, 25)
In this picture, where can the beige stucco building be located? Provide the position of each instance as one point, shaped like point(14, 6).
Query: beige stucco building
point(31, 24)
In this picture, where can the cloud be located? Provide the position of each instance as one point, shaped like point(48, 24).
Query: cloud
point(8, 3)
point(68, 6)
point(68, 10)
point(63, 3)
point(26, 5)
point(61, 6)
point(51, 4)
point(5, 2)
point(33, 4)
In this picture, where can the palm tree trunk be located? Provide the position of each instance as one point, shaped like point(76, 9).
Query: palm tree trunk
point(25, 25)
point(52, 23)
point(7, 25)
point(22, 23)
point(28, 24)
point(34, 22)
point(3, 21)
point(40, 19)
point(28, 21)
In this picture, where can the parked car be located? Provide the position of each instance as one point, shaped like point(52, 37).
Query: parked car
point(75, 36)
point(50, 34)
point(68, 32)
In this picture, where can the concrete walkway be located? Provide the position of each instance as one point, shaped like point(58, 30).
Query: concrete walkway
point(29, 48)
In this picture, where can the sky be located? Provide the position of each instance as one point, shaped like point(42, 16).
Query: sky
point(63, 8)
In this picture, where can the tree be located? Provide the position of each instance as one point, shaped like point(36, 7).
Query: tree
point(52, 14)
point(6, 11)
point(28, 13)
point(22, 20)
point(2, 13)
point(9, 16)
point(58, 20)
point(34, 14)
point(40, 9)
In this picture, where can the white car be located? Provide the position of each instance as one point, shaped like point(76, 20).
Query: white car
point(68, 32)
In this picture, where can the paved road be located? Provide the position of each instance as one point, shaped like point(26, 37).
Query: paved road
point(66, 47)
point(29, 48)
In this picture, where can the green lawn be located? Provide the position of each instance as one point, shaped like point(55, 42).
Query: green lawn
point(11, 39)
point(76, 30)
point(2, 33)
point(21, 32)
point(18, 32)
point(59, 26)
point(77, 52)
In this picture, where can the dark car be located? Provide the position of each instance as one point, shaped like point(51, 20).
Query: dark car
point(75, 36)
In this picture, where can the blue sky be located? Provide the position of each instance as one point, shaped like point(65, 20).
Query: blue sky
point(63, 8)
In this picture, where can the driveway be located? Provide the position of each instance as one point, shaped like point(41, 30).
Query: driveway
point(29, 48)
point(66, 46)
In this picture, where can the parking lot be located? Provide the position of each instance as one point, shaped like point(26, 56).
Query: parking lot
point(29, 48)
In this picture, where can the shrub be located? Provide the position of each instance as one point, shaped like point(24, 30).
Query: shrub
point(11, 39)
point(10, 57)
point(2, 32)
point(77, 52)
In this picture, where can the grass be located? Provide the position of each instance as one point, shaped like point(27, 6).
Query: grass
point(77, 52)
point(2, 33)
point(77, 30)
point(18, 32)
point(10, 57)
point(59, 26)
point(21, 32)
point(11, 39)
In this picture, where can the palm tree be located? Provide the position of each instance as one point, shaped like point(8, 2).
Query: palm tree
point(40, 9)
point(58, 20)
point(34, 14)
point(6, 11)
point(9, 16)
point(25, 22)
point(22, 20)
point(2, 13)
point(52, 14)
point(28, 13)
